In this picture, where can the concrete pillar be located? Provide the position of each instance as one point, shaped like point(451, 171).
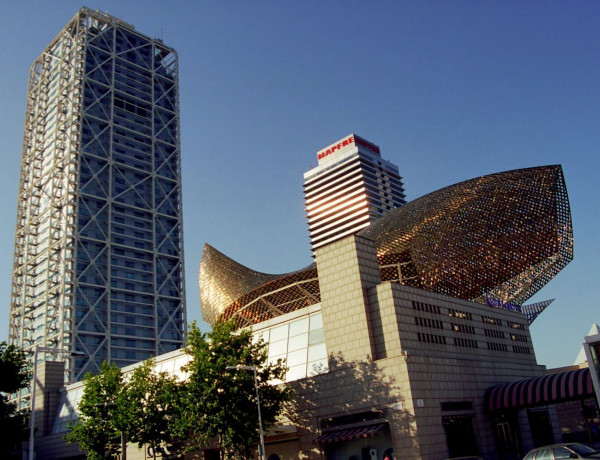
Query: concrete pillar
point(50, 378)
point(348, 268)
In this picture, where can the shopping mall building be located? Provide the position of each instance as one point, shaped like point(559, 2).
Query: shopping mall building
point(409, 334)
point(402, 336)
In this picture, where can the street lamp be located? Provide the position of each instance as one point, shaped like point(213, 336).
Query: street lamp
point(253, 369)
point(39, 349)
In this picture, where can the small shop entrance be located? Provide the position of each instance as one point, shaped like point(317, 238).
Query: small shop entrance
point(541, 428)
point(460, 435)
point(507, 439)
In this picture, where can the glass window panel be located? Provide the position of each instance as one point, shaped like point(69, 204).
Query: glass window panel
point(275, 382)
point(264, 335)
point(179, 373)
point(544, 454)
point(296, 357)
point(299, 327)
point(561, 452)
point(273, 359)
point(164, 367)
point(298, 342)
point(295, 373)
point(316, 336)
point(317, 367)
point(317, 352)
point(64, 409)
point(278, 348)
point(279, 333)
point(316, 322)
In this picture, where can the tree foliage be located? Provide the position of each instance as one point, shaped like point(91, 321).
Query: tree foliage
point(150, 403)
point(213, 407)
point(140, 407)
point(220, 405)
point(14, 375)
point(97, 429)
point(14, 369)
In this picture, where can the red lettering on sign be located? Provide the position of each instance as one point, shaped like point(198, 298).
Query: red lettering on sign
point(346, 142)
point(368, 145)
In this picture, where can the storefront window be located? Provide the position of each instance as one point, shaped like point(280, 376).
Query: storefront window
point(301, 343)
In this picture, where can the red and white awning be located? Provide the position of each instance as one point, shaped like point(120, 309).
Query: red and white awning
point(540, 391)
point(349, 434)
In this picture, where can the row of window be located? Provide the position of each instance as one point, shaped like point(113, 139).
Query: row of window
point(300, 343)
point(470, 343)
point(467, 329)
point(468, 316)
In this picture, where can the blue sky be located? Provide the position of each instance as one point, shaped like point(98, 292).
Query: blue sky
point(449, 90)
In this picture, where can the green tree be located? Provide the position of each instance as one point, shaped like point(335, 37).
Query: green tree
point(14, 375)
point(150, 402)
point(99, 414)
point(140, 407)
point(219, 405)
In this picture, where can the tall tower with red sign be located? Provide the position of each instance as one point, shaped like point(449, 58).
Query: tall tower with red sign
point(351, 187)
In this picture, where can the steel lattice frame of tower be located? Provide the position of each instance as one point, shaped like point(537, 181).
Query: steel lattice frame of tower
point(98, 261)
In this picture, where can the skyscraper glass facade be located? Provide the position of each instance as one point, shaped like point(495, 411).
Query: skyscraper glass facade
point(98, 260)
point(351, 187)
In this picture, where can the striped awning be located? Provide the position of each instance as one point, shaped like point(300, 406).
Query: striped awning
point(349, 434)
point(540, 391)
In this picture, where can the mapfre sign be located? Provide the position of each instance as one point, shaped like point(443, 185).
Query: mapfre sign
point(346, 144)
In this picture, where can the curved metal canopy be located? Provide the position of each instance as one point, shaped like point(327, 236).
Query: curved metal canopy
point(505, 235)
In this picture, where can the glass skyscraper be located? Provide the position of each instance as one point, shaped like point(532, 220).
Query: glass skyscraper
point(98, 260)
point(351, 187)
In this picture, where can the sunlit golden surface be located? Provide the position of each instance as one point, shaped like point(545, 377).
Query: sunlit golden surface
point(504, 234)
